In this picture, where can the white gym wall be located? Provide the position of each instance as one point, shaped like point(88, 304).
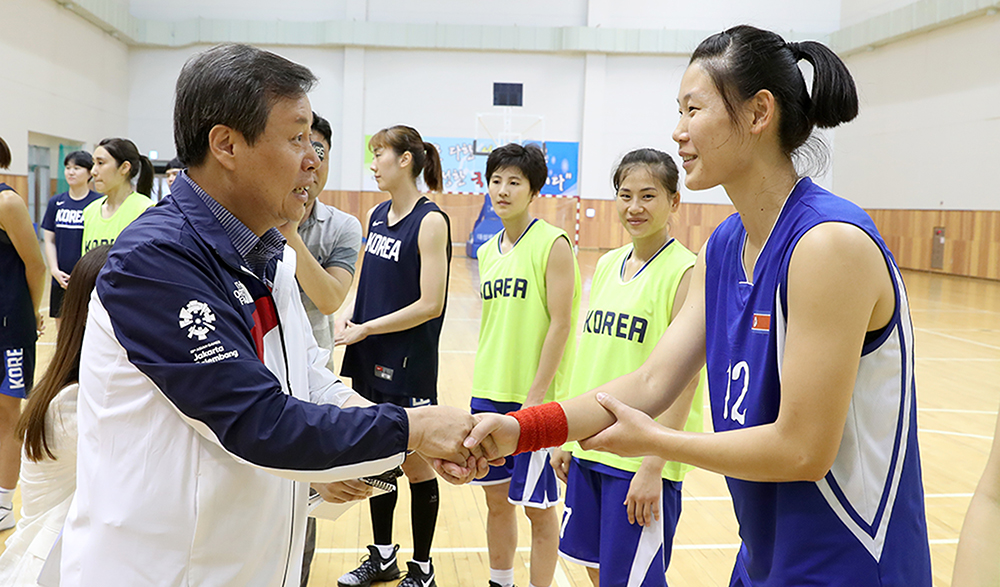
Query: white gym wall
point(926, 136)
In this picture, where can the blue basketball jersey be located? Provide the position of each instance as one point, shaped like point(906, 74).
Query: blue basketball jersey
point(863, 523)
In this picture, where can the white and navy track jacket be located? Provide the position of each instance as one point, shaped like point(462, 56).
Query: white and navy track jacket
point(196, 431)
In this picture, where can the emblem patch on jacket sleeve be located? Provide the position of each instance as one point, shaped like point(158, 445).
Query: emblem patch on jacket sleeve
point(198, 318)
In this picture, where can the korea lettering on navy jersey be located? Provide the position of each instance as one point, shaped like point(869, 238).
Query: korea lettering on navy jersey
point(864, 522)
point(69, 218)
point(383, 246)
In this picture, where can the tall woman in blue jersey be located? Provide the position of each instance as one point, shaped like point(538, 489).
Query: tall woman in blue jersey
point(800, 311)
point(393, 331)
point(22, 275)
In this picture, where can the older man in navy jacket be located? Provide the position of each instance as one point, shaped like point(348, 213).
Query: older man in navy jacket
point(205, 403)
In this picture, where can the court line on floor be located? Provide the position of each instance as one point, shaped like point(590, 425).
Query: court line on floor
point(525, 549)
point(559, 580)
point(958, 338)
point(967, 330)
point(697, 498)
point(957, 411)
point(959, 360)
point(964, 434)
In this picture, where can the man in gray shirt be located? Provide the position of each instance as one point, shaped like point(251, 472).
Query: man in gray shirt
point(326, 241)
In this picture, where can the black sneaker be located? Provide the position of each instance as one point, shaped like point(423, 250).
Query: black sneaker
point(495, 584)
point(373, 568)
point(416, 578)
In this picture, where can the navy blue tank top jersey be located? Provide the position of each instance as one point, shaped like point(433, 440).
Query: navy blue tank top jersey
point(17, 313)
point(863, 523)
point(401, 363)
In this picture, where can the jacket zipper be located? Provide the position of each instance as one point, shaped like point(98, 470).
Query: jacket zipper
point(288, 383)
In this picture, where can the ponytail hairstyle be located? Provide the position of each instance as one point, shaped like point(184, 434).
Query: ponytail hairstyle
point(743, 60)
point(426, 159)
point(660, 165)
point(64, 368)
point(5, 156)
point(125, 150)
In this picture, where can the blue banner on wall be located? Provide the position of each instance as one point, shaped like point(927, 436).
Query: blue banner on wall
point(464, 170)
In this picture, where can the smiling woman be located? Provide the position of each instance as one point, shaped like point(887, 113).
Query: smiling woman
point(623, 511)
point(800, 313)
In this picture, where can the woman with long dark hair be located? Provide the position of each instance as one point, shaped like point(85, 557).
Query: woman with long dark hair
point(48, 429)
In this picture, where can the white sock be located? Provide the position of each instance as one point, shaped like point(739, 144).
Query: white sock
point(386, 551)
point(425, 566)
point(6, 498)
point(503, 578)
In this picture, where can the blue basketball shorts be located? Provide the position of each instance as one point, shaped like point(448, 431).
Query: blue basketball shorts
point(532, 480)
point(595, 531)
point(18, 370)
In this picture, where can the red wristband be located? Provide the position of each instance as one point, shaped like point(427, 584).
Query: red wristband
point(541, 427)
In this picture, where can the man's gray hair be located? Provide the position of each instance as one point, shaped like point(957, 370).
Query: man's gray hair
point(233, 85)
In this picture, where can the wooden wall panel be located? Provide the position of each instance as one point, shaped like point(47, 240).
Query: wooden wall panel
point(462, 209)
point(972, 238)
point(18, 182)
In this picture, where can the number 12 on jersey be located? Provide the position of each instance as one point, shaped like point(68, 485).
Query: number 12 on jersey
point(739, 372)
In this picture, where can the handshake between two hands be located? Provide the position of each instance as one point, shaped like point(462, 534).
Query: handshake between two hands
point(459, 445)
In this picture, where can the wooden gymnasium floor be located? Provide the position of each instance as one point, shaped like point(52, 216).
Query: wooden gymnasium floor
point(957, 323)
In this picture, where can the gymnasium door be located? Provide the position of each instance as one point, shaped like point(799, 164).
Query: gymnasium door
point(39, 182)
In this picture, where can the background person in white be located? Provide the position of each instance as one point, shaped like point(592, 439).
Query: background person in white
point(196, 437)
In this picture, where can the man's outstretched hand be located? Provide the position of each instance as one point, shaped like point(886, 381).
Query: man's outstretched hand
point(495, 434)
point(439, 433)
point(493, 437)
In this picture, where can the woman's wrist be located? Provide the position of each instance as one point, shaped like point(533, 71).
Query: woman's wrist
point(542, 426)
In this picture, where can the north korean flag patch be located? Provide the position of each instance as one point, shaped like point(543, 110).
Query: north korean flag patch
point(761, 322)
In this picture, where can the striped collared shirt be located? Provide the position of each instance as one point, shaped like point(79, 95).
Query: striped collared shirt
point(258, 252)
